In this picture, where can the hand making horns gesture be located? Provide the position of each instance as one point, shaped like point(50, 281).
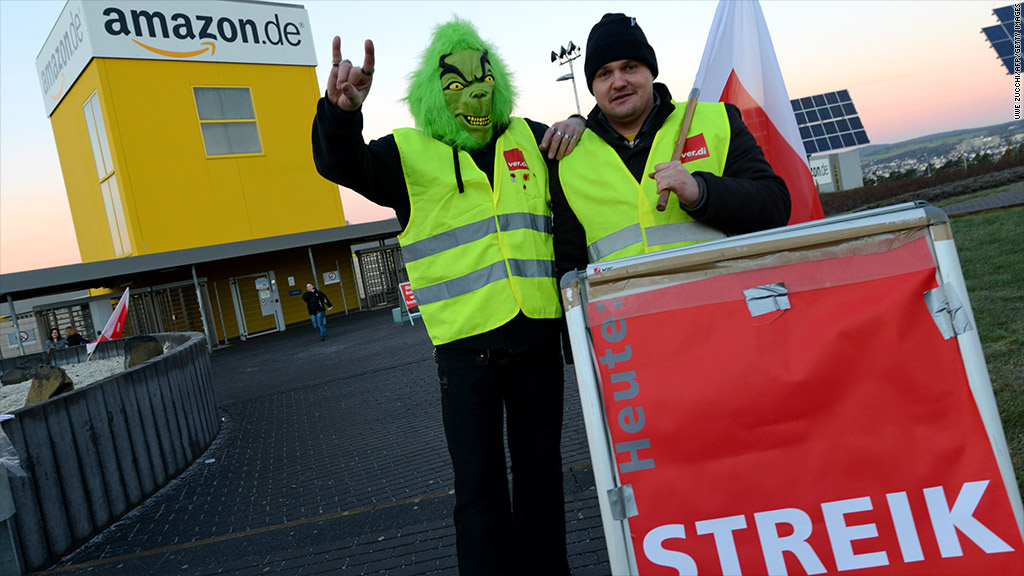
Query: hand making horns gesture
point(348, 85)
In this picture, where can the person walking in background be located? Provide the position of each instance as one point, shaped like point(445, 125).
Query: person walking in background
point(317, 304)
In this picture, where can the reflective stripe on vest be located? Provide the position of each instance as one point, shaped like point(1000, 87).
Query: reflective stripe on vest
point(672, 232)
point(474, 231)
point(479, 278)
point(659, 235)
point(476, 259)
point(618, 240)
point(462, 285)
point(617, 212)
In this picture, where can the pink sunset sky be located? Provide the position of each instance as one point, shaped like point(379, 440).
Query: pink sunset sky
point(913, 69)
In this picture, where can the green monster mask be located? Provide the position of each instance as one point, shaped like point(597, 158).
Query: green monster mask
point(468, 88)
point(462, 89)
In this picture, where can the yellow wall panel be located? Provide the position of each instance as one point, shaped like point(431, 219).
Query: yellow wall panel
point(296, 197)
point(182, 200)
point(78, 167)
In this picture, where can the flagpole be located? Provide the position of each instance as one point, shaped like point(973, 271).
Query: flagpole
point(691, 104)
point(714, 38)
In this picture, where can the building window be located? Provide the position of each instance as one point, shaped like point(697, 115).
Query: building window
point(228, 121)
point(105, 174)
point(115, 216)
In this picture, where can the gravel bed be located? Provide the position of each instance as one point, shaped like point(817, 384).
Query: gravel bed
point(82, 374)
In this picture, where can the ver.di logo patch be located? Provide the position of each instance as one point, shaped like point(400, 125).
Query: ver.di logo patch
point(515, 160)
point(694, 149)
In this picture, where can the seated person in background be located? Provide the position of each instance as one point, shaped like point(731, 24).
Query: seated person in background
point(55, 341)
point(73, 338)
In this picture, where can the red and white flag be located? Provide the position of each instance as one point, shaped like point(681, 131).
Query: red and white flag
point(739, 67)
point(115, 325)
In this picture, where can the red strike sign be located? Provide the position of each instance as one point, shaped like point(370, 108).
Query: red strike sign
point(838, 436)
point(407, 295)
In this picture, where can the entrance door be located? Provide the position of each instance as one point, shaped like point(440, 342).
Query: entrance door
point(378, 268)
point(176, 308)
point(257, 304)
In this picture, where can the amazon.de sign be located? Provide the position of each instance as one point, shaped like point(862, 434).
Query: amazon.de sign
point(182, 30)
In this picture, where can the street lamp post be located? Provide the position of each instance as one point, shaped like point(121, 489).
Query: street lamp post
point(568, 55)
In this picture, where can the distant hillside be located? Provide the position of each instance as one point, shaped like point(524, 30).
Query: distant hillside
point(934, 145)
point(873, 151)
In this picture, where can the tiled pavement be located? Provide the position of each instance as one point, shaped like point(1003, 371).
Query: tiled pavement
point(990, 202)
point(331, 460)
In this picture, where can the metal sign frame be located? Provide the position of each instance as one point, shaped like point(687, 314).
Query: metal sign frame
point(635, 275)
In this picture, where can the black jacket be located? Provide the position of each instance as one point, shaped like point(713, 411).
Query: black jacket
point(316, 301)
point(749, 196)
point(374, 171)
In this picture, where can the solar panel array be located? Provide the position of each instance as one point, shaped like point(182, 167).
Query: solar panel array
point(1001, 36)
point(828, 121)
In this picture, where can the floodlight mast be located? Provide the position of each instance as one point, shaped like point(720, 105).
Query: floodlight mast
point(568, 55)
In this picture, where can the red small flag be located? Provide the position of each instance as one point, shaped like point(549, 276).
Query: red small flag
point(115, 325)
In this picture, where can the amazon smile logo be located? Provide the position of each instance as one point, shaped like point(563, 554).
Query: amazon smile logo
point(147, 28)
point(211, 46)
point(60, 92)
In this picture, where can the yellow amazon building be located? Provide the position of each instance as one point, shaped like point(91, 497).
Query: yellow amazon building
point(183, 132)
point(183, 123)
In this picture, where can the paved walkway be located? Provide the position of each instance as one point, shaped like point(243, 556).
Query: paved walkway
point(331, 460)
point(991, 202)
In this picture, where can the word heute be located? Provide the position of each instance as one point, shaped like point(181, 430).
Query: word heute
point(631, 418)
point(945, 522)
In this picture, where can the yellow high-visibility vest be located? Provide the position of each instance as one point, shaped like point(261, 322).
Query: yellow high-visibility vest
point(478, 257)
point(619, 215)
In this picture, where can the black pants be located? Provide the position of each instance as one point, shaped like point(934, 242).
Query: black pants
point(494, 535)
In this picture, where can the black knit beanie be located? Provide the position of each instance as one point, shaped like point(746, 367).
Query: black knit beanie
point(617, 37)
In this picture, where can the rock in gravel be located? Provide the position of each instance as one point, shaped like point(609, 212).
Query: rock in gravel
point(141, 350)
point(49, 381)
point(12, 396)
point(15, 375)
